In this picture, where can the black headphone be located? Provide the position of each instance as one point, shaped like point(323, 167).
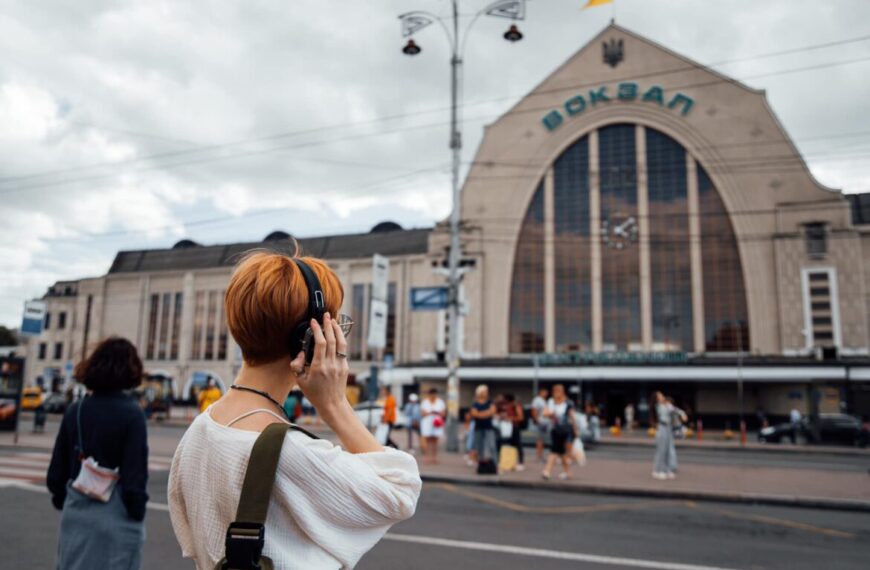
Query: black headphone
point(302, 336)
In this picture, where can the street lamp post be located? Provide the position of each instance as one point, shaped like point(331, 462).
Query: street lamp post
point(413, 22)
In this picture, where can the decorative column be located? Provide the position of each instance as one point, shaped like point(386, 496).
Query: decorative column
point(595, 242)
point(549, 265)
point(643, 241)
point(697, 268)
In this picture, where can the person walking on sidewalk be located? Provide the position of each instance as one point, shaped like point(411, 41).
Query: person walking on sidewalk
point(433, 410)
point(541, 421)
point(328, 504)
point(412, 412)
point(663, 461)
point(560, 412)
point(515, 414)
point(99, 466)
point(483, 409)
point(389, 415)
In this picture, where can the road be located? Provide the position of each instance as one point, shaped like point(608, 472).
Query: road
point(487, 527)
point(506, 529)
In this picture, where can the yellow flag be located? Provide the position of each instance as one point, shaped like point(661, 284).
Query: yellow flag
point(594, 3)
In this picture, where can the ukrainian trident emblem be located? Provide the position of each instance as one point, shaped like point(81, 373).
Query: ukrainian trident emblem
point(613, 52)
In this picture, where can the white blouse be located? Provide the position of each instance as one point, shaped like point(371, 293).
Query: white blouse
point(328, 507)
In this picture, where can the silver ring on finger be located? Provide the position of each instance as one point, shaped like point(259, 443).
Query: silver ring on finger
point(340, 354)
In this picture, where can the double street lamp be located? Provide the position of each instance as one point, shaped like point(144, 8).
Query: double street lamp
point(413, 22)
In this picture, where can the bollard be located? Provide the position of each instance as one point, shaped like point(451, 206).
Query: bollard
point(700, 430)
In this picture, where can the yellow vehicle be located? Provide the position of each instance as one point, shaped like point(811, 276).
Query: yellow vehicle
point(31, 398)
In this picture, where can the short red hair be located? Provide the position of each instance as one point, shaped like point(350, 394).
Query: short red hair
point(267, 298)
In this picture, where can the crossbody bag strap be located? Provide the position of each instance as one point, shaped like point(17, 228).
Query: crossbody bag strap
point(79, 429)
point(246, 536)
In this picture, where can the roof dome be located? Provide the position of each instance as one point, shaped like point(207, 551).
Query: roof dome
point(387, 226)
point(277, 235)
point(185, 243)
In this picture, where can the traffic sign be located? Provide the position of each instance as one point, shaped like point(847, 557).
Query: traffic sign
point(429, 298)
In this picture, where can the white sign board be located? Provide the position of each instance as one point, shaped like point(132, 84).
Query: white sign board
point(377, 324)
point(34, 316)
point(380, 277)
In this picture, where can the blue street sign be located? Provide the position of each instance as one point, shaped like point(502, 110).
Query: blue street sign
point(429, 298)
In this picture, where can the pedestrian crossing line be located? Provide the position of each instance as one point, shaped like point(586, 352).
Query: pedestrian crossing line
point(33, 466)
point(579, 509)
point(773, 521)
point(551, 554)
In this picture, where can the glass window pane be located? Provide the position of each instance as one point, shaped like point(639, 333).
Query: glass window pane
point(670, 259)
point(164, 325)
point(726, 320)
point(210, 325)
point(152, 326)
point(176, 327)
point(527, 287)
point(198, 322)
point(620, 259)
point(358, 302)
point(572, 248)
point(222, 334)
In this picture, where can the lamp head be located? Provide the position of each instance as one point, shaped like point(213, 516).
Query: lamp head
point(513, 34)
point(411, 48)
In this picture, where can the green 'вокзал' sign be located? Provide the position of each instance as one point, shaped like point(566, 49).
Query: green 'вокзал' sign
point(625, 92)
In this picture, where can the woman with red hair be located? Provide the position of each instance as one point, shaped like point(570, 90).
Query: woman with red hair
point(329, 505)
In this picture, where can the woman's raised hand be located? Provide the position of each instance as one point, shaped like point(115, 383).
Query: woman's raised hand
point(325, 380)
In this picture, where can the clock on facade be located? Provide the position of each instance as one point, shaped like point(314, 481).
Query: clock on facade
point(619, 231)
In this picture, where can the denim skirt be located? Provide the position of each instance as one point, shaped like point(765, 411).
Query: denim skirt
point(94, 534)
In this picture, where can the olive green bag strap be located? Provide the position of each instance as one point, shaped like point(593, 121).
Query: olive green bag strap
point(246, 536)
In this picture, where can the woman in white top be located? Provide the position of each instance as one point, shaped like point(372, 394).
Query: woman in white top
point(432, 424)
point(329, 505)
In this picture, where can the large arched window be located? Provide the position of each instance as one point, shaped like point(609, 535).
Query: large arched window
point(630, 206)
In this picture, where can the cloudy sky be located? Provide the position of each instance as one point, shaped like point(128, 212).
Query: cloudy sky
point(131, 124)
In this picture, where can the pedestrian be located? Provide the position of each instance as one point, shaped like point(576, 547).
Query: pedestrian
point(433, 410)
point(560, 413)
point(678, 427)
point(663, 462)
point(208, 395)
point(389, 415)
point(515, 414)
point(99, 466)
point(470, 453)
point(542, 423)
point(795, 418)
point(483, 410)
point(327, 504)
point(291, 404)
point(629, 416)
point(412, 413)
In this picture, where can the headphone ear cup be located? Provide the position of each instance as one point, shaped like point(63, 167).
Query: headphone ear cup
point(298, 339)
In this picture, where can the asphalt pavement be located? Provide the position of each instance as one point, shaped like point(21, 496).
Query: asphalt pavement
point(506, 529)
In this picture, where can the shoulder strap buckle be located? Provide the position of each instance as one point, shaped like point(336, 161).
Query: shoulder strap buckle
point(244, 546)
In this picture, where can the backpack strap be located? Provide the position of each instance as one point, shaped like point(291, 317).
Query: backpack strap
point(246, 536)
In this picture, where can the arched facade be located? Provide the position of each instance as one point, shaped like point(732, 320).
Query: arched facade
point(643, 256)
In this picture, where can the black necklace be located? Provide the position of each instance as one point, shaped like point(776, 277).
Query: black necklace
point(261, 393)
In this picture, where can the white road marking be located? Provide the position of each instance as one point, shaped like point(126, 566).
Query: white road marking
point(541, 553)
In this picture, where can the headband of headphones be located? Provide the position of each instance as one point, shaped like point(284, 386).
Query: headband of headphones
point(316, 304)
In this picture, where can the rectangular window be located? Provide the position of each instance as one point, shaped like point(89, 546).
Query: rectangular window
point(164, 325)
point(47, 324)
point(176, 327)
point(58, 350)
point(820, 307)
point(222, 334)
point(527, 289)
point(815, 234)
point(210, 325)
point(358, 304)
point(61, 320)
point(198, 323)
point(43, 349)
point(152, 326)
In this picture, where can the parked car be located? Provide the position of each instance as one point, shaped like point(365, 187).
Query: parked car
point(55, 404)
point(31, 398)
point(840, 429)
point(377, 410)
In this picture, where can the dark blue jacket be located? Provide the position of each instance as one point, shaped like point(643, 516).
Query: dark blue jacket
point(115, 434)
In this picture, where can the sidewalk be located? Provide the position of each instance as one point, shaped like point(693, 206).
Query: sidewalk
point(731, 483)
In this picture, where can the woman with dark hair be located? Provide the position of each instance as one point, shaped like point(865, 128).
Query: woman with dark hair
point(99, 466)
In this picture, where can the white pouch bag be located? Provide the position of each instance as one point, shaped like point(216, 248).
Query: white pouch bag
point(93, 481)
point(506, 429)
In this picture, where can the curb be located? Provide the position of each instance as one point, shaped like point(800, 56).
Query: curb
point(848, 505)
point(751, 447)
